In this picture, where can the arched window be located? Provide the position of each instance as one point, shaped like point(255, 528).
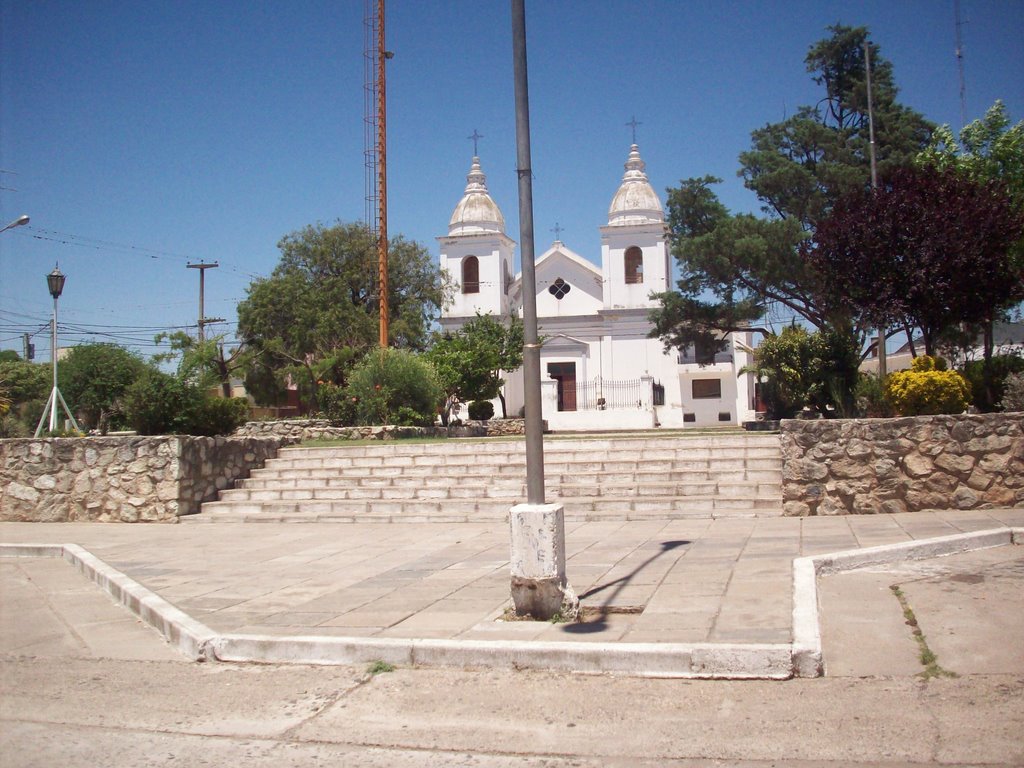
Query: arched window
point(471, 275)
point(634, 265)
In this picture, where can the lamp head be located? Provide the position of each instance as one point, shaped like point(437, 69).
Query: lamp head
point(55, 282)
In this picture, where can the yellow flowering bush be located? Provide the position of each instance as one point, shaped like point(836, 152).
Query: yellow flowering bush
point(927, 389)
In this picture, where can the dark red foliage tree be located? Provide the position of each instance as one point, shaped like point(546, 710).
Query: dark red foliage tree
point(928, 249)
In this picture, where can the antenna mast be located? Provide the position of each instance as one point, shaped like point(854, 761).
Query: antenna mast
point(960, 64)
point(370, 113)
point(375, 147)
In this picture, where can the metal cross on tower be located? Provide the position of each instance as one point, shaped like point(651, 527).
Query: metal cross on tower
point(633, 124)
point(475, 138)
point(558, 232)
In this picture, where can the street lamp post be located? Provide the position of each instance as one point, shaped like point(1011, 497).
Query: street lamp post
point(55, 283)
point(16, 223)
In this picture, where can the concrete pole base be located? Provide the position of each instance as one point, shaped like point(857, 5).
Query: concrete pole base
point(539, 585)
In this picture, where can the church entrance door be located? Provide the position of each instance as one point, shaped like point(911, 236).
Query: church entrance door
point(565, 375)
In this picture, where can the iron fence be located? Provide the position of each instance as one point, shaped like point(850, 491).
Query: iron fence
point(605, 394)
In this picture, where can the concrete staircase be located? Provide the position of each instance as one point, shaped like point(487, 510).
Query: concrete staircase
point(662, 477)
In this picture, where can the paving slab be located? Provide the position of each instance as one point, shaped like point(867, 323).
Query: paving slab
point(721, 581)
point(969, 607)
point(68, 615)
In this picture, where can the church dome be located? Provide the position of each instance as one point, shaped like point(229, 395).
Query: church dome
point(636, 202)
point(476, 211)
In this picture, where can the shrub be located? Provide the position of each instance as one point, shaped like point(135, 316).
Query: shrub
point(870, 398)
point(1013, 393)
point(336, 403)
point(780, 387)
point(927, 389)
point(161, 404)
point(481, 410)
point(986, 394)
point(394, 386)
point(218, 416)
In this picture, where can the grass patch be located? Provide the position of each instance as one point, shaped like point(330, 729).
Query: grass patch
point(925, 654)
point(378, 667)
point(653, 434)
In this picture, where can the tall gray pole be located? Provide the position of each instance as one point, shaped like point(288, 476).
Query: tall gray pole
point(882, 363)
point(531, 347)
point(539, 585)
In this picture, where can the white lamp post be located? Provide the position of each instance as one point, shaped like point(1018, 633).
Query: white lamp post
point(55, 282)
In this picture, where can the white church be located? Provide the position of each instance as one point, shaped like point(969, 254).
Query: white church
point(599, 369)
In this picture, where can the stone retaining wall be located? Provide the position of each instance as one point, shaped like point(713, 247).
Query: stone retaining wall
point(867, 466)
point(122, 479)
point(324, 429)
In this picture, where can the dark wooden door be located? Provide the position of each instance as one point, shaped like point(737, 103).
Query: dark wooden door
point(565, 375)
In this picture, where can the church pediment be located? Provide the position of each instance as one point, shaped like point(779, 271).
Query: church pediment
point(566, 283)
point(561, 342)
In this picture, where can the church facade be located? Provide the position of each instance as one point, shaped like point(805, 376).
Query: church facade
point(599, 368)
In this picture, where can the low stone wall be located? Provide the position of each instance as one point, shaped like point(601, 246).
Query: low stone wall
point(868, 466)
point(324, 429)
point(121, 479)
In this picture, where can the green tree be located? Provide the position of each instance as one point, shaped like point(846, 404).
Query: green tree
point(92, 379)
point(729, 266)
point(25, 381)
point(321, 303)
point(733, 266)
point(470, 362)
point(802, 165)
point(797, 369)
point(25, 386)
point(205, 363)
point(989, 149)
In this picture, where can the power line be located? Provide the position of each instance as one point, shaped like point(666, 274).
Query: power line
point(68, 238)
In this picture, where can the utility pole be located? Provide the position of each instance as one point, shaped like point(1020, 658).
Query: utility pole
point(882, 366)
point(203, 319)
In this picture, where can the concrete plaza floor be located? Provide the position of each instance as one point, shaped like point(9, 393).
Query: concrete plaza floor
point(86, 683)
point(691, 581)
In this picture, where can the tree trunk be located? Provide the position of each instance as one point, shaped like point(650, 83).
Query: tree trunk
point(910, 340)
point(986, 368)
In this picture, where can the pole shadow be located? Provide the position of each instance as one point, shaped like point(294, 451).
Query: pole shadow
point(600, 623)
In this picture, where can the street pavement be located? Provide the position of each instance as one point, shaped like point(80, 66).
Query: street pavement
point(86, 683)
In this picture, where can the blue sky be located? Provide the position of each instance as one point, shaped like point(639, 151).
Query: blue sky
point(141, 136)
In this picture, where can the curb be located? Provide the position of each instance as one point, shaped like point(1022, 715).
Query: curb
point(801, 658)
point(189, 636)
point(637, 659)
point(807, 658)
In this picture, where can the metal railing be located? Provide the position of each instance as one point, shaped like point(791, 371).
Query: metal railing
point(605, 394)
point(688, 357)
